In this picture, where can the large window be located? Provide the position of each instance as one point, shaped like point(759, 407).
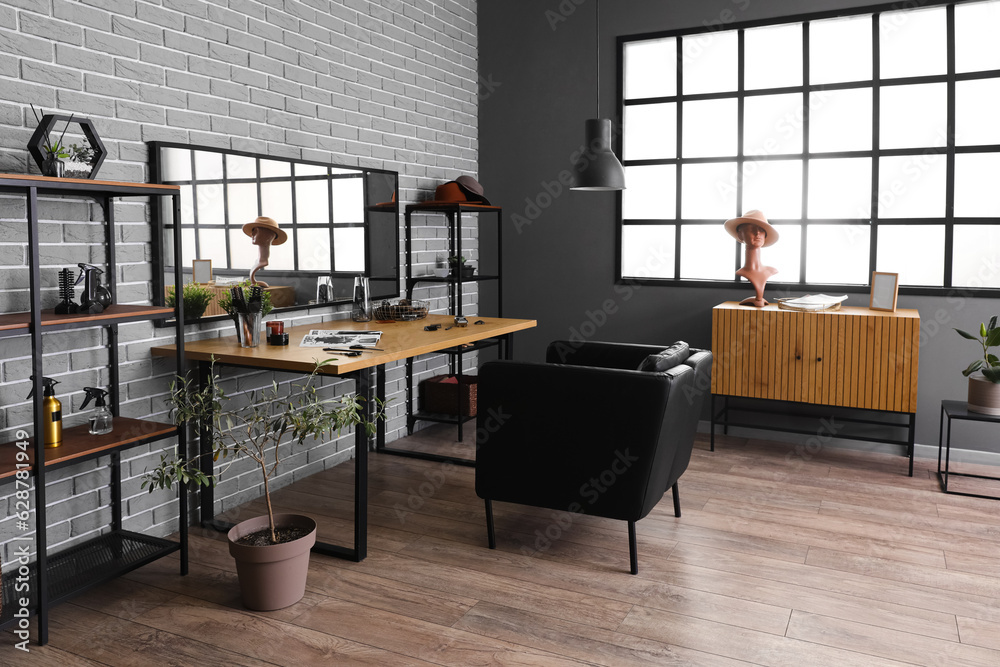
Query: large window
point(871, 142)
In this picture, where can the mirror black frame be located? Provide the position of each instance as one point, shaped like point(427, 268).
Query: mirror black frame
point(380, 224)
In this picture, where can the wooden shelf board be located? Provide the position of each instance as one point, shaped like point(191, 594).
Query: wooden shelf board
point(78, 184)
point(11, 321)
point(78, 443)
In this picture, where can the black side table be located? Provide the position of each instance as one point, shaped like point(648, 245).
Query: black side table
point(959, 410)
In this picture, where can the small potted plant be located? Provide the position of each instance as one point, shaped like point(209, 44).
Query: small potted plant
point(271, 551)
point(81, 160)
point(984, 374)
point(53, 165)
point(459, 267)
point(196, 299)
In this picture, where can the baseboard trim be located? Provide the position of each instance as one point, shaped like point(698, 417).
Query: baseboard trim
point(920, 451)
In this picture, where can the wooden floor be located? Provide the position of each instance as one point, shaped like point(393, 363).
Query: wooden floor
point(834, 559)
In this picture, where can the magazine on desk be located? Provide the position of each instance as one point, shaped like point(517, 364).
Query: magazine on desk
point(348, 338)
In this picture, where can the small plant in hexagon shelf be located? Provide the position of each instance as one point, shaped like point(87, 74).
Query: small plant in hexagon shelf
point(85, 160)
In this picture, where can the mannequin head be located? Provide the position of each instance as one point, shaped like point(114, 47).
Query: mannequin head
point(751, 234)
point(262, 236)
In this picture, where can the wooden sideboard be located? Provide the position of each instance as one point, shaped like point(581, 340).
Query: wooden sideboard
point(853, 357)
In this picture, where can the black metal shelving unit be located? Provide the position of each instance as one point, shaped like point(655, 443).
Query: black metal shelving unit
point(53, 578)
point(453, 212)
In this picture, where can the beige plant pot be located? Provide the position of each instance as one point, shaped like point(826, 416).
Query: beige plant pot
point(272, 576)
point(984, 396)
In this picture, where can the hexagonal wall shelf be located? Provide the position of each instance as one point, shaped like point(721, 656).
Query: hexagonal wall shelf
point(37, 141)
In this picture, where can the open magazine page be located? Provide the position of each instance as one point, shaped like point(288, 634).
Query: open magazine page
point(327, 337)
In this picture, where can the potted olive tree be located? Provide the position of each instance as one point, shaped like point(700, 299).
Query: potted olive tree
point(984, 374)
point(271, 551)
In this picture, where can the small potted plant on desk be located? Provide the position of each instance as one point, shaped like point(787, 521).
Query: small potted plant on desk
point(984, 374)
point(271, 551)
point(459, 268)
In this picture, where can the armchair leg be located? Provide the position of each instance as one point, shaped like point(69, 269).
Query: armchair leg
point(677, 501)
point(633, 550)
point(490, 534)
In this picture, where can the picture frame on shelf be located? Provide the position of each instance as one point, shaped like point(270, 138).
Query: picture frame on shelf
point(885, 290)
point(201, 271)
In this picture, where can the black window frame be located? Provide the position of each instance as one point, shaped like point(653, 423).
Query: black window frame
point(950, 78)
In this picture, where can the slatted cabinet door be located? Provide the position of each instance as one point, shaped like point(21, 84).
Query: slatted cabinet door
point(854, 357)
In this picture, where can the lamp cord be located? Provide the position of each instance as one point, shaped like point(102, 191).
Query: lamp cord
point(597, 28)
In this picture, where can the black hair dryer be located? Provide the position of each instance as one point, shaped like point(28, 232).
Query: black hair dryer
point(95, 297)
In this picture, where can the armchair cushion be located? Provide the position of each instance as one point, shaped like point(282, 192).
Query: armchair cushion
point(666, 359)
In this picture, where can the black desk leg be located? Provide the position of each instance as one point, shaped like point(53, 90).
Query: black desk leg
point(364, 390)
point(380, 393)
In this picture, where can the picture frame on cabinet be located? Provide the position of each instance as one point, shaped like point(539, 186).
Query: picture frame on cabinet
point(885, 290)
point(201, 271)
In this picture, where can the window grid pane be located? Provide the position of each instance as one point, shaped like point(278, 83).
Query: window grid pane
point(820, 159)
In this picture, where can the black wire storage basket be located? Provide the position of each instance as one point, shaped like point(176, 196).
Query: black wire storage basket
point(401, 310)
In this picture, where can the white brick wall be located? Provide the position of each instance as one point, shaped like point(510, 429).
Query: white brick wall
point(372, 83)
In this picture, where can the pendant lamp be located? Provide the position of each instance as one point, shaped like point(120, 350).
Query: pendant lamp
point(598, 169)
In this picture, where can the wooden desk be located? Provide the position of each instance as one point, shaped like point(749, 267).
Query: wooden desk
point(853, 357)
point(400, 340)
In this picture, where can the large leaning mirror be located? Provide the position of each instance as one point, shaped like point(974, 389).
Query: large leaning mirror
point(336, 223)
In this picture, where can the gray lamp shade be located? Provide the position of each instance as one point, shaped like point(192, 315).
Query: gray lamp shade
point(598, 168)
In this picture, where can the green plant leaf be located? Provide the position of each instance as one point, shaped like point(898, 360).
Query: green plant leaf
point(973, 367)
point(992, 374)
point(993, 323)
point(993, 360)
point(993, 338)
point(965, 334)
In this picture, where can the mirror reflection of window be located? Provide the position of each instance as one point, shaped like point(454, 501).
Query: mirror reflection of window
point(243, 252)
point(210, 241)
point(208, 165)
point(240, 166)
point(312, 202)
point(348, 246)
point(241, 201)
point(314, 249)
point(309, 170)
point(275, 169)
point(348, 201)
point(211, 205)
point(282, 256)
point(187, 205)
point(276, 201)
point(175, 165)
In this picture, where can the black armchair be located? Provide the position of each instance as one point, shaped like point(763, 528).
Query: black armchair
point(587, 432)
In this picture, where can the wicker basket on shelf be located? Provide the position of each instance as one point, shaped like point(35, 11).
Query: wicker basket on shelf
point(401, 310)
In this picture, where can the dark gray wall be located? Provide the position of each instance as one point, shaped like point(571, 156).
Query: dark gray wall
point(537, 60)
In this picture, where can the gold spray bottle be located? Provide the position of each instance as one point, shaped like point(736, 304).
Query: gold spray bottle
point(51, 413)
